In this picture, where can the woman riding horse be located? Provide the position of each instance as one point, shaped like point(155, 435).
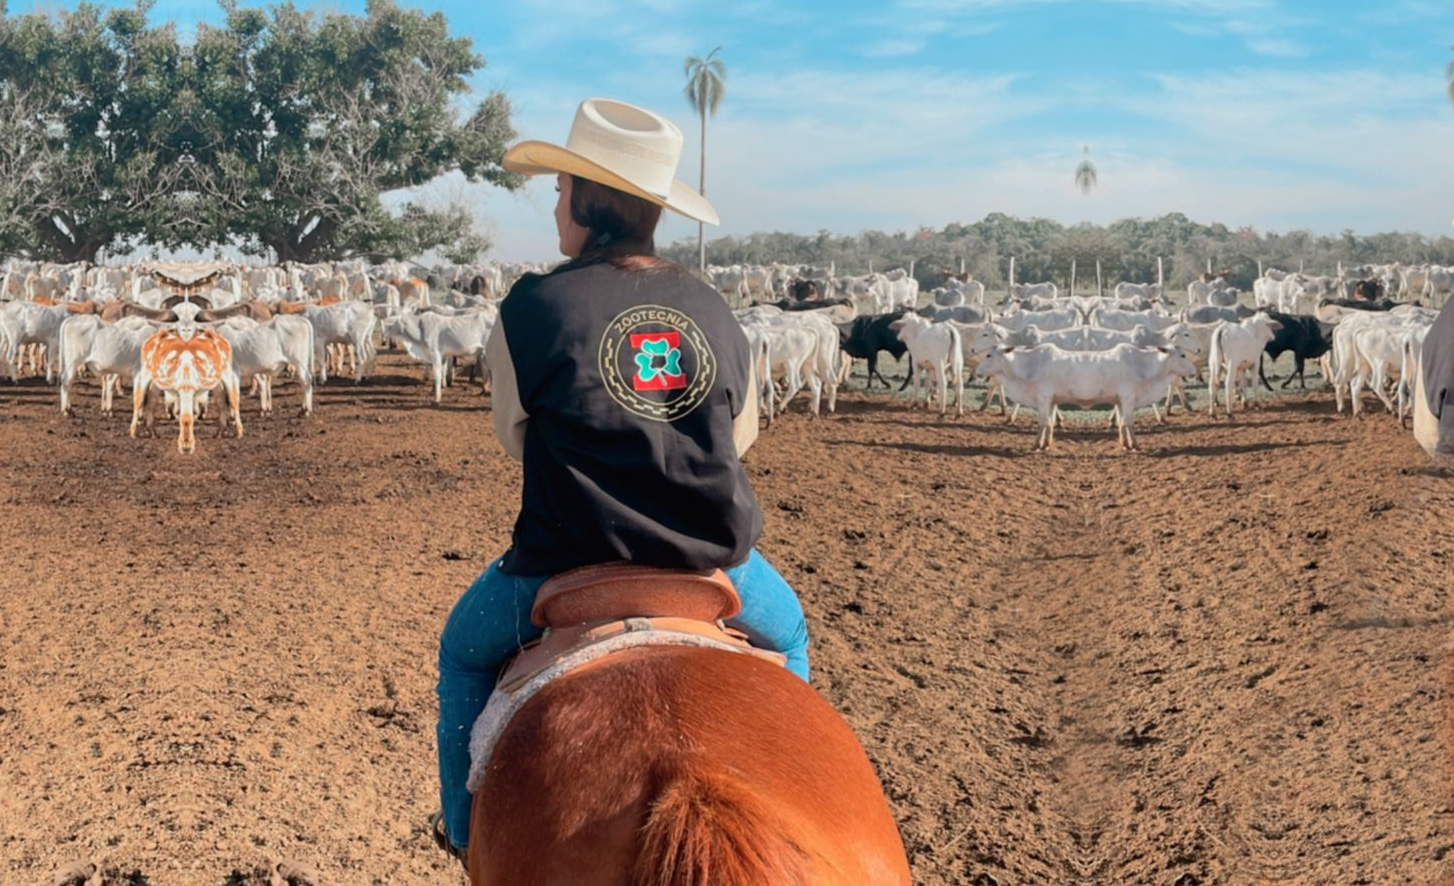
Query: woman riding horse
point(625, 387)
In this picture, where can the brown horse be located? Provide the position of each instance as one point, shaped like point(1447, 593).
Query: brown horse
point(678, 765)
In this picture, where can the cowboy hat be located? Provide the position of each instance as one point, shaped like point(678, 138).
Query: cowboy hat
point(621, 146)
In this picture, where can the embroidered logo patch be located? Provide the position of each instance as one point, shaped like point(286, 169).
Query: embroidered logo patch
point(656, 362)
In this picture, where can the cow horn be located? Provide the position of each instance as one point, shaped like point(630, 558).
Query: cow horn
point(131, 309)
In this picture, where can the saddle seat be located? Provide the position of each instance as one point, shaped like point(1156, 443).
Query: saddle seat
point(586, 606)
point(593, 612)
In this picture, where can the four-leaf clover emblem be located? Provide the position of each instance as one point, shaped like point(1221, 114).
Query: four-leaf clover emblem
point(657, 357)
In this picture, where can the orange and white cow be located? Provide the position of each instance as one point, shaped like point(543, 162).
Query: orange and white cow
point(412, 289)
point(185, 365)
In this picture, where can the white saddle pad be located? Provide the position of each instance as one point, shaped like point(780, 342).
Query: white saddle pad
point(503, 705)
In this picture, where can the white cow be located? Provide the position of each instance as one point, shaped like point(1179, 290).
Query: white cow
point(1342, 360)
point(1129, 291)
point(1223, 296)
point(1126, 321)
point(1413, 282)
point(461, 335)
point(825, 368)
point(1440, 285)
point(1047, 321)
point(109, 350)
point(1410, 363)
point(731, 282)
point(1046, 376)
point(1195, 341)
point(265, 350)
point(896, 292)
point(757, 347)
point(1378, 352)
point(23, 323)
point(347, 323)
point(934, 348)
point(1024, 291)
point(1234, 349)
point(959, 292)
point(789, 353)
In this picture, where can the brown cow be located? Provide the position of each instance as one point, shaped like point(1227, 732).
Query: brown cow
point(186, 366)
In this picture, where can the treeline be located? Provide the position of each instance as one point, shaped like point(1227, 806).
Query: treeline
point(1043, 250)
point(275, 133)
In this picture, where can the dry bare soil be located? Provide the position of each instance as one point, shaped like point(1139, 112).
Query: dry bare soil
point(1220, 661)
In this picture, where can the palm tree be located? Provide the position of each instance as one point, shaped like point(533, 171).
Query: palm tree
point(705, 79)
point(1449, 75)
point(1085, 173)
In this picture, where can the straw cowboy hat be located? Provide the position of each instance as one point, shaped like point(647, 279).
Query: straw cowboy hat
point(621, 146)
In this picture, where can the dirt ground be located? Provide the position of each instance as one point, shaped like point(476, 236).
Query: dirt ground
point(1219, 661)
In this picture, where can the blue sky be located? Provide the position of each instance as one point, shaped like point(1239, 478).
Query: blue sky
point(1280, 114)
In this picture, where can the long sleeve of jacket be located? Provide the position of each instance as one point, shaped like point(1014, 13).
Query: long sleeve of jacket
point(744, 424)
point(510, 416)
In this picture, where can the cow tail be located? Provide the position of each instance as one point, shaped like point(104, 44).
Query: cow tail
point(1214, 363)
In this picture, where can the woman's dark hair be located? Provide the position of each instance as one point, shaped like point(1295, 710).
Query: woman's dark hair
point(621, 225)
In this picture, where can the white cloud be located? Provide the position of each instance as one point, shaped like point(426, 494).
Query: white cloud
point(809, 149)
point(1277, 48)
point(892, 144)
point(894, 48)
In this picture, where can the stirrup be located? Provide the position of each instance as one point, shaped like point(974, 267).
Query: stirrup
point(441, 839)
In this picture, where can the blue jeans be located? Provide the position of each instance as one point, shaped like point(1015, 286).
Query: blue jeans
point(491, 622)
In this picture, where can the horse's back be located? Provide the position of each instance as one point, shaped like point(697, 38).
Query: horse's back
point(628, 771)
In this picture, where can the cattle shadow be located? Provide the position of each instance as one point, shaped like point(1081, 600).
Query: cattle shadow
point(1395, 623)
point(377, 380)
point(1238, 448)
point(482, 406)
point(935, 448)
point(1440, 470)
point(952, 423)
point(1304, 406)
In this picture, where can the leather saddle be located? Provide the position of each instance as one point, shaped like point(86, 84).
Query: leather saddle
point(594, 603)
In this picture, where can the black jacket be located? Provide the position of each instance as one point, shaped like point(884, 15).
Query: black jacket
point(626, 394)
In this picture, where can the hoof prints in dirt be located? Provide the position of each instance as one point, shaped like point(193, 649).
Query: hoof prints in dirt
point(89, 873)
point(277, 874)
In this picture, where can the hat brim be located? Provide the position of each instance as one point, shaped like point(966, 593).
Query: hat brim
point(542, 158)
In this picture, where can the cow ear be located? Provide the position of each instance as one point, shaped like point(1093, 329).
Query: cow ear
point(1163, 350)
point(1008, 349)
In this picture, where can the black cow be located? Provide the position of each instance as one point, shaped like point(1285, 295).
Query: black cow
point(1305, 335)
point(811, 305)
point(863, 337)
point(804, 290)
point(1359, 304)
point(1368, 290)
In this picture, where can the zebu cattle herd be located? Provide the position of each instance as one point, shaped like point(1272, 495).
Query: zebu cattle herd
point(190, 330)
point(1130, 350)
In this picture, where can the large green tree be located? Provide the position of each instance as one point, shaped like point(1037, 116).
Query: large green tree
point(278, 131)
point(303, 121)
point(83, 95)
